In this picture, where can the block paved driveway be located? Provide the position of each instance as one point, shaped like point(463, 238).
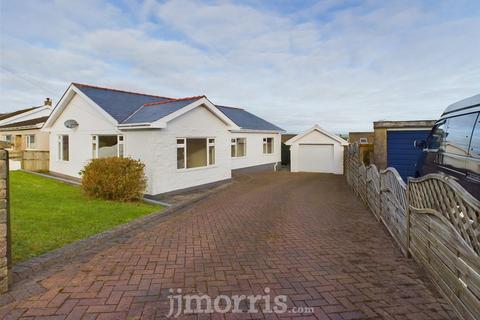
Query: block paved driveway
point(302, 235)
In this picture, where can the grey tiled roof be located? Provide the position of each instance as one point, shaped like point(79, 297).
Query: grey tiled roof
point(26, 123)
point(119, 104)
point(153, 112)
point(129, 107)
point(247, 120)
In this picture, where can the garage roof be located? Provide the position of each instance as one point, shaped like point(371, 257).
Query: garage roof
point(319, 129)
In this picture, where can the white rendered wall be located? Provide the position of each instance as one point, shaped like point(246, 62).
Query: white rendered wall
point(90, 122)
point(158, 150)
point(255, 155)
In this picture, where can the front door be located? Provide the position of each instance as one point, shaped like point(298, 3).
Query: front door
point(17, 145)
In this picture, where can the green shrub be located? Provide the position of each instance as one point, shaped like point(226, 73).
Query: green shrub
point(114, 179)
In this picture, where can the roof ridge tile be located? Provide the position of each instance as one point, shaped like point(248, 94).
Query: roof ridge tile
point(171, 100)
point(118, 90)
point(238, 108)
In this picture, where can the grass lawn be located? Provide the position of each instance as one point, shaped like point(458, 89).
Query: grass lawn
point(47, 214)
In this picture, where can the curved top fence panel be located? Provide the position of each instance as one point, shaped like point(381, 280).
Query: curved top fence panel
point(392, 182)
point(441, 195)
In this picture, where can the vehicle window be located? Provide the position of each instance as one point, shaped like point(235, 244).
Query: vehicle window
point(475, 144)
point(459, 132)
point(436, 138)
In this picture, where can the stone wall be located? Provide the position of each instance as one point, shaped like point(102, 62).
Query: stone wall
point(5, 252)
point(380, 148)
point(355, 137)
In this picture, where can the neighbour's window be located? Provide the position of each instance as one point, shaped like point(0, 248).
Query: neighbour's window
point(104, 146)
point(195, 152)
point(475, 143)
point(363, 140)
point(7, 138)
point(459, 132)
point(30, 141)
point(238, 147)
point(267, 145)
point(63, 148)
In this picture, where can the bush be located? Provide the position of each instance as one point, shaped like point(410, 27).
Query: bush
point(114, 179)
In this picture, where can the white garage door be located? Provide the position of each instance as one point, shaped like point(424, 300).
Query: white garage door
point(315, 158)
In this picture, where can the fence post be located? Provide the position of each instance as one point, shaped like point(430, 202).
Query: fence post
point(407, 209)
point(380, 195)
point(5, 236)
point(366, 185)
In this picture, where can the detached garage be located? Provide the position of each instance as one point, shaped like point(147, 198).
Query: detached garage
point(316, 150)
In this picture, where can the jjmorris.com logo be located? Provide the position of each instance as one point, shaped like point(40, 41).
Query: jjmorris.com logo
point(183, 304)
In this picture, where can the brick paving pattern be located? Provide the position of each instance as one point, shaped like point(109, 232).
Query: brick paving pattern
point(301, 235)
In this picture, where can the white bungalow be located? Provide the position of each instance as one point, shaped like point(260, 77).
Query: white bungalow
point(184, 143)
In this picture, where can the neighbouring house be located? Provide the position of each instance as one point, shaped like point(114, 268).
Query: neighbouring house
point(361, 137)
point(184, 143)
point(21, 128)
point(394, 144)
point(286, 149)
point(365, 141)
point(316, 150)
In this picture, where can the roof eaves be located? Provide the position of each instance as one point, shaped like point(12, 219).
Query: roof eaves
point(279, 130)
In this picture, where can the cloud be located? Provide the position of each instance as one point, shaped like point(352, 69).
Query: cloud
point(339, 64)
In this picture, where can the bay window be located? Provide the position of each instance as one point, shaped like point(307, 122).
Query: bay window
point(195, 152)
point(238, 147)
point(104, 146)
point(267, 145)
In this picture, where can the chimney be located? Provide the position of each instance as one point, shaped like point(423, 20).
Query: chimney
point(48, 102)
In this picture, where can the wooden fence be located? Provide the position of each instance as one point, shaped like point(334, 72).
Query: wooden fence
point(32, 160)
point(35, 160)
point(434, 220)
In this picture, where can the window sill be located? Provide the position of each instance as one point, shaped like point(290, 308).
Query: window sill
point(197, 168)
point(238, 157)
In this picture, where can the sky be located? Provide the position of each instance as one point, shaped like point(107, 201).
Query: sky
point(341, 64)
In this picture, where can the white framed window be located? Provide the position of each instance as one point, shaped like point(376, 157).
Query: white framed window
point(7, 138)
point(195, 152)
point(238, 147)
point(363, 140)
point(104, 146)
point(63, 148)
point(30, 141)
point(267, 145)
point(211, 151)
